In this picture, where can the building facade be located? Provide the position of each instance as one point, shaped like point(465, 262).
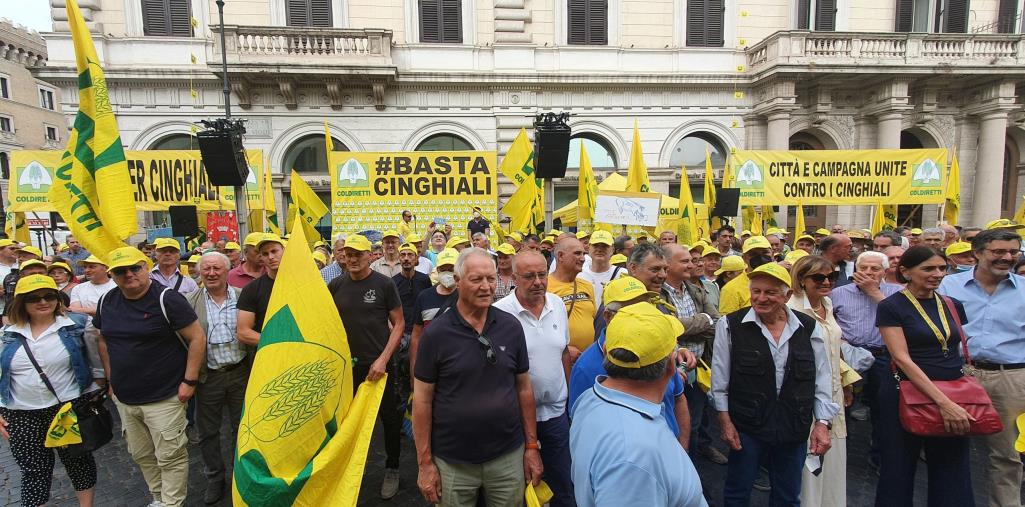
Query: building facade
point(391, 75)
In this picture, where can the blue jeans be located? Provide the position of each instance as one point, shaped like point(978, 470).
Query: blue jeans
point(877, 375)
point(784, 464)
point(696, 402)
point(553, 435)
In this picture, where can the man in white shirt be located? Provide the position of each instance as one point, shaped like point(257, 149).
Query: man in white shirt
point(600, 271)
point(84, 297)
point(546, 330)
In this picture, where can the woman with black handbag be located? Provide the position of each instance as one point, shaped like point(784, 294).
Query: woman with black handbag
point(43, 364)
point(924, 342)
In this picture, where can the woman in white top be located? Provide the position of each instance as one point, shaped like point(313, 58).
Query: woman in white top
point(814, 278)
point(27, 405)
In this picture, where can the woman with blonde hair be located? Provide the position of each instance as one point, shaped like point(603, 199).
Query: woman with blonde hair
point(40, 334)
point(825, 484)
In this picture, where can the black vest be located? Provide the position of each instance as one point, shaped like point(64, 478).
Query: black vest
point(754, 407)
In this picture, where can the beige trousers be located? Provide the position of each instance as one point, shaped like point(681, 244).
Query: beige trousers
point(1007, 390)
point(155, 436)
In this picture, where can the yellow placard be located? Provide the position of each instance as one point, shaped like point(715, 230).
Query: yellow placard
point(369, 190)
point(159, 179)
point(841, 177)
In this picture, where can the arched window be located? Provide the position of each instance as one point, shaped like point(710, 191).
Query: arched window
point(444, 142)
point(690, 152)
point(599, 152)
point(309, 155)
point(175, 142)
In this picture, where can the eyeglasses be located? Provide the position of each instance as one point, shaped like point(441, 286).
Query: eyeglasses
point(121, 271)
point(818, 278)
point(49, 298)
point(492, 357)
point(1003, 252)
point(533, 276)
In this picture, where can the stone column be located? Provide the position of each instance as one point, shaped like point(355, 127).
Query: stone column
point(888, 130)
point(778, 138)
point(989, 167)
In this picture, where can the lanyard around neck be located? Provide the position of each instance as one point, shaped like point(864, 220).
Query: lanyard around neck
point(942, 338)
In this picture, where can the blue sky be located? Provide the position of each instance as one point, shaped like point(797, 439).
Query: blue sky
point(34, 14)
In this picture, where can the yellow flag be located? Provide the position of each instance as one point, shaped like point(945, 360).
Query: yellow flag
point(729, 180)
point(686, 226)
point(329, 145)
point(1019, 214)
point(952, 204)
point(799, 226)
point(63, 429)
point(92, 189)
point(270, 206)
point(290, 218)
point(713, 222)
point(308, 207)
point(17, 227)
point(525, 209)
point(587, 192)
point(518, 163)
point(885, 218)
point(637, 172)
point(303, 438)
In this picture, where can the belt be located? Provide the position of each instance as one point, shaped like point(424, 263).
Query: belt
point(983, 365)
point(877, 352)
point(225, 369)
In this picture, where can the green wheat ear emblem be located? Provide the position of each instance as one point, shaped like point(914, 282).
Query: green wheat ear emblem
point(298, 394)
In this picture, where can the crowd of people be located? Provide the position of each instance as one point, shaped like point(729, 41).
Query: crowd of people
point(596, 363)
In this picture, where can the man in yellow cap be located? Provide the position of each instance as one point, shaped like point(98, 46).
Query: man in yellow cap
point(24, 253)
point(255, 296)
point(251, 266)
point(735, 294)
point(234, 252)
point(152, 346)
point(1003, 223)
point(771, 383)
point(503, 261)
point(960, 257)
point(410, 283)
point(389, 264)
point(168, 271)
point(805, 242)
point(371, 310)
point(84, 296)
point(620, 445)
point(600, 270)
point(514, 239)
point(8, 263)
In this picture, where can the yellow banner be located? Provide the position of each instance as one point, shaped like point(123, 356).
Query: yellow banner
point(841, 177)
point(159, 179)
point(369, 190)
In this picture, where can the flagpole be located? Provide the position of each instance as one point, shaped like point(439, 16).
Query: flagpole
point(241, 199)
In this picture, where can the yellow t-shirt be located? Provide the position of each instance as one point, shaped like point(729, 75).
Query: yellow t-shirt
point(403, 230)
point(736, 294)
point(581, 319)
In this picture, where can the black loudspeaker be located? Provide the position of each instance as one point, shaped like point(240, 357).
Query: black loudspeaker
point(184, 222)
point(551, 143)
point(727, 202)
point(224, 157)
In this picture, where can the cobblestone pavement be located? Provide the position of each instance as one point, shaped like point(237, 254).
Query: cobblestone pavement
point(121, 484)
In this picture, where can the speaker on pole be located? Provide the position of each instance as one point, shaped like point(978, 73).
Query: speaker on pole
point(184, 222)
point(727, 202)
point(224, 157)
point(551, 145)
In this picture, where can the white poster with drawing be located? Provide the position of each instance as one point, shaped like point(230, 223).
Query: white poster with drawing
point(627, 208)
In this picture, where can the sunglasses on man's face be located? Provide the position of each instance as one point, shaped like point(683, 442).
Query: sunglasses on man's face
point(819, 278)
point(122, 271)
point(49, 298)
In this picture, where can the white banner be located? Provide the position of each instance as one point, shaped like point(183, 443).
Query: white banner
point(627, 208)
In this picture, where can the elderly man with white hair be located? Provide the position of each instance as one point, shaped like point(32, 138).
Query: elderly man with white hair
point(225, 374)
point(933, 237)
point(336, 268)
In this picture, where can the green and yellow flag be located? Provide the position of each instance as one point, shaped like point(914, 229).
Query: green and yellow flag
point(525, 209)
point(687, 226)
point(270, 207)
point(587, 192)
point(308, 206)
point(525, 205)
point(885, 218)
point(92, 190)
point(713, 222)
point(63, 429)
point(952, 203)
point(637, 172)
point(1019, 214)
point(303, 437)
point(17, 227)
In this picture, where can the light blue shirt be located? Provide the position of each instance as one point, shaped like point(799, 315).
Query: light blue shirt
point(624, 454)
point(996, 323)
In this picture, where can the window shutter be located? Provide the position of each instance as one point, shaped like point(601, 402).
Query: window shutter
point(696, 22)
point(1006, 16)
point(577, 14)
point(803, 14)
point(598, 22)
point(320, 13)
point(167, 18)
point(714, 14)
point(451, 21)
point(825, 15)
point(430, 20)
point(956, 17)
point(904, 15)
point(154, 17)
point(180, 18)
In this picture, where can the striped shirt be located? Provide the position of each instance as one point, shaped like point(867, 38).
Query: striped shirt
point(331, 271)
point(223, 348)
point(856, 314)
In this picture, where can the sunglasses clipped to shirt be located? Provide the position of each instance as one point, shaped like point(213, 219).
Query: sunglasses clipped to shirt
point(121, 271)
point(819, 277)
point(489, 349)
point(49, 297)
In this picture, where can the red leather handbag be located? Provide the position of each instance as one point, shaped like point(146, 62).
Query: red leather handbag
point(921, 416)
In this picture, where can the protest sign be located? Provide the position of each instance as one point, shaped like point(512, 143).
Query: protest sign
point(627, 208)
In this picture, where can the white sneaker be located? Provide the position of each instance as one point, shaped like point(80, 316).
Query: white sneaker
point(156, 503)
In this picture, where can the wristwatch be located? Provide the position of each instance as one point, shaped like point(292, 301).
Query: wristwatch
point(825, 422)
point(188, 382)
point(533, 445)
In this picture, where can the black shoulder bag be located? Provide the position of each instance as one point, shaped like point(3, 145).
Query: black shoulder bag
point(95, 424)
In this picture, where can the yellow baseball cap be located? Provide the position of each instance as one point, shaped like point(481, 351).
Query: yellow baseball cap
point(506, 249)
point(4, 242)
point(856, 235)
point(31, 250)
point(548, 239)
point(167, 243)
point(358, 242)
point(645, 331)
point(62, 247)
point(454, 241)
point(406, 247)
point(756, 242)
point(31, 283)
point(32, 262)
point(775, 230)
point(515, 236)
point(624, 289)
point(270, 238)
point(582, 234)
point(320, 256)
point(391, 233)
point(1019, 444)
point(192, 260)
point(126, 256)
point(413, 238)
point(618, 259)
point(794, 255)
point(642, 234)
point(745, 233)
point(918, 232)
point(805, 236)
point(1003, 223)
point(698, 248)
point(554, 232)
point(92, 259)
point(253, 239)
point(602, 238)
point(62, 265)
point(772, 270)
point(731, 264)
point(824, 232)
point(231, 245)
point(710, 250)
point(959, 247)
point(447, 257)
